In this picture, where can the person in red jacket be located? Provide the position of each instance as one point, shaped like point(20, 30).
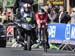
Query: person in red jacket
point(41, 17)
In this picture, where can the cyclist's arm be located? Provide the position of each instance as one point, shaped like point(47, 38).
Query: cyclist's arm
point(22, 11)
point(46, 19)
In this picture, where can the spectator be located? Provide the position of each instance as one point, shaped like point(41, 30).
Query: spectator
point(63, 16)
point(3, 17)
point(50, 9)
point(9, 13)
point(73, 16)
point(52, 16)
point(50, 6)
point(0, 14)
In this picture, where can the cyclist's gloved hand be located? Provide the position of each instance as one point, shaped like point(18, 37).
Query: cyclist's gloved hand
point(43, 21)
point(39, 25)
point(46, 24)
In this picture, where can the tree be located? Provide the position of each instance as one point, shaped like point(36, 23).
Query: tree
point(10, 3)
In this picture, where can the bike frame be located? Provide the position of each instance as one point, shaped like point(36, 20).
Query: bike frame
point(43, 36)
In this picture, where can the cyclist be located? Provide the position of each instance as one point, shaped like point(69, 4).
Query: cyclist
point(41, 17)
point(25, 11)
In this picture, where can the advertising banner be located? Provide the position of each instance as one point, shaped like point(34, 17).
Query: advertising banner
point(61, 33)
point(57, 2)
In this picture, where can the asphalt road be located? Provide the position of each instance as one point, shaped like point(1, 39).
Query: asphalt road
point(34, 52)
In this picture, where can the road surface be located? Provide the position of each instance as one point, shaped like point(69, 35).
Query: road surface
point(34, 52)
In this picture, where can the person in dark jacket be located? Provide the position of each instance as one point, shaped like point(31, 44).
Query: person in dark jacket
point(63, 16)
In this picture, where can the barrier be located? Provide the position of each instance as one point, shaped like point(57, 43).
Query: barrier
point(62, 33)
point(10, 31)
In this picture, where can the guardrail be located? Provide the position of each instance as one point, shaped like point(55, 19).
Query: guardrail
point(63, 34)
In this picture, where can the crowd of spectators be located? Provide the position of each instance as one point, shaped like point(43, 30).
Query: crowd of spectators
point(55, 13)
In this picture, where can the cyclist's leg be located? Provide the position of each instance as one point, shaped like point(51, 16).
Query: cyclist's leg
point(39, 34)
point(37, 44)
point(34, 37)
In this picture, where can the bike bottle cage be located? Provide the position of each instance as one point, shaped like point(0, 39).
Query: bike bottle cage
point(28, 19)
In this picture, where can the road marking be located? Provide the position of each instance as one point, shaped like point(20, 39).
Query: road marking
point(62, 54)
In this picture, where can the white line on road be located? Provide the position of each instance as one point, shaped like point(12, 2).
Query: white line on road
point(60, 54)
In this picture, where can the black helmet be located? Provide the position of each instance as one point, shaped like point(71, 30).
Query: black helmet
point(41, 11)
point(27, 7)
